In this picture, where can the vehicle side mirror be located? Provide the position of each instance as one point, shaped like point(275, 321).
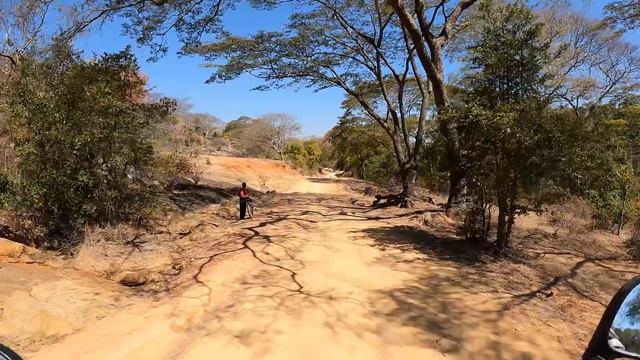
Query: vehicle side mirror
point(8, 354)
point(618, 333)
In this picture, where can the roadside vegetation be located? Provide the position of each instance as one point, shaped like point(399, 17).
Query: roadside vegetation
point(544, 109)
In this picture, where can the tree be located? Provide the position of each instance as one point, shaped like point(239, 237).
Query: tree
point(355, 46)
point(502, 130)
point(22, 29)
point(363, 147)
point(304, 155)
point(149, 22)
point(430, 27)
point(81, 139)
point(237, 125)
point(276, 130)
point(590, 64)
point(625, 13)
point(364, 37)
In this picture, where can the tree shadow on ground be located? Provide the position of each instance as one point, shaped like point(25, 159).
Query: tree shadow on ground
point(454, 317)
point(570, 287)
point(455, 303)
point(441, 246)
point(190, 196)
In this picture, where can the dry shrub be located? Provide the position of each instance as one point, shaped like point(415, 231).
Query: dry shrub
point(633, 243)
point(169, 167)
point(262, 181)
point(228, 210)
point(121, 234)
point(574, 215)
point(23, 229)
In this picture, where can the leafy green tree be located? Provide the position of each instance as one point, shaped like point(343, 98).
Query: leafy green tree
point(362, 147)
point(610, 165)
point(501, 128)
point(81, 134)
point(304, 155)
point(235, 126)
point(354, 46)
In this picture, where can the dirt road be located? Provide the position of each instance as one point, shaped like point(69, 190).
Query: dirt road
point(315, 277)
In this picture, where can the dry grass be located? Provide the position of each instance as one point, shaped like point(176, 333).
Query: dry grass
point(575, 215)
point(114, 235)
point(633, 243)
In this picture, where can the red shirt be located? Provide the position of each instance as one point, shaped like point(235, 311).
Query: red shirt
point(244, 194)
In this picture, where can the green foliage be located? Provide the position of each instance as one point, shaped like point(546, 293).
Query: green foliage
point(305, 155)
point(362, 147)
point(502, 128)
point(81, 133)
point(234, 127)
point(506, 64)
point(514, 143)
point(168, 167)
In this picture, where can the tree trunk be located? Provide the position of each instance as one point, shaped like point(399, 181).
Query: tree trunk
point(502, 236)
point(456, 185)
point(624, 203)
point(408, 186)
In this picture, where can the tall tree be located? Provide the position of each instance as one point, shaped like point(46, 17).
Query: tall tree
point(356, 46)
point(590, 64)
point(361, 146)
point(430, 27)
point(80, 137)
point(503, 131)
point(276, 130)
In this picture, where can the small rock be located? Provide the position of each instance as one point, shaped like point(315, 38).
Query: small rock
point(131, 278)
point(176, 269)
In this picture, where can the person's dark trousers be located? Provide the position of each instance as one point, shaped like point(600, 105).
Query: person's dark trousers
point(243, 209)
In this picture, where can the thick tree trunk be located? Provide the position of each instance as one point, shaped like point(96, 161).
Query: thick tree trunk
point(624, 204)
point(513, 195)
point(408, 187)
point(456, 186)
point(429, 51)
point(502, 236)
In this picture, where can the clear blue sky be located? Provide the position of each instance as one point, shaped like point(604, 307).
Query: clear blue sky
point(183, 77)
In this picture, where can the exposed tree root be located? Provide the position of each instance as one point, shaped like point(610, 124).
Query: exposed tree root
point(400, 200)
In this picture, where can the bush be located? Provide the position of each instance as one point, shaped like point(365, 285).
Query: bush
point(169, 167)
point(575, 215)
point(633, 243)
point(81, 133)
point(306, 156)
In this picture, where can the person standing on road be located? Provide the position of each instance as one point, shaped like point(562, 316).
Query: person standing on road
point(244, 197)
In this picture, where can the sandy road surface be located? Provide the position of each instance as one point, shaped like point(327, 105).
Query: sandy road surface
point(315, 277)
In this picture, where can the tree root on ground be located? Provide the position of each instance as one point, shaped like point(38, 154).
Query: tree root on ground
point(383, 201)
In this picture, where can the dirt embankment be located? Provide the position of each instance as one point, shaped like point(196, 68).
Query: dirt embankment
point(316, 274)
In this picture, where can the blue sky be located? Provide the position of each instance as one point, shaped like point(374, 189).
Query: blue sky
point(183, 77)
